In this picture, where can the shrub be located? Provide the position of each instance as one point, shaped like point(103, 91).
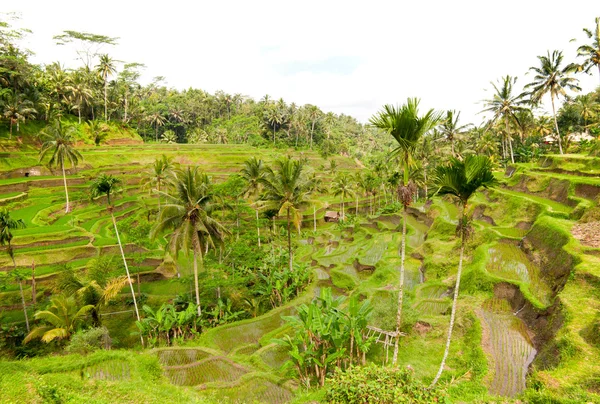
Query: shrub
point(373, 384)
point(87, 341)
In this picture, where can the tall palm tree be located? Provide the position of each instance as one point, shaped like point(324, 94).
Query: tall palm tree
point(587, 108)
point(461, 179)
point(286, 189)
point(59, 143)
point(451, 129)
point(253, 173)
point(342, 187)
point(6, 225)
point(407, 128)
point(188, 214)
point(551, 78)
point(156, 119)
point(313, 114)
point(64, 318)
point(591, 52)
point(105, 68)
point(90, 290)
point(107, 185)
point(504, 104)
point(18, 109)
point(80, 94)
point(159, 174)
point(315, 186)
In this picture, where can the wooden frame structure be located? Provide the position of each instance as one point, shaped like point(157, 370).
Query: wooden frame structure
point(386, 338)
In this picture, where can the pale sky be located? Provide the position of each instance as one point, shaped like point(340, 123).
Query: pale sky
point(344, 56)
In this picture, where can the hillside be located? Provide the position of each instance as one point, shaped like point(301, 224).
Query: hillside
point(528, 311)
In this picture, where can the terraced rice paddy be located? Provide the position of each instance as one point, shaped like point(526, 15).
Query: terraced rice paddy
point(511, 350)
point(507, 261)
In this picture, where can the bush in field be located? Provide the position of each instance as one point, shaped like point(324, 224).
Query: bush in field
point(373, 384)
point(86, 341)
point(326, 336)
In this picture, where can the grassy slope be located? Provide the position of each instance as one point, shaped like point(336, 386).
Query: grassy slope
point(567, 381)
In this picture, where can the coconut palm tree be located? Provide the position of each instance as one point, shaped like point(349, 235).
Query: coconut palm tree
point(253, 173)
point(313, 114)
point(95, 292)
point(315, 186)
point(451, 129)
point(64, 318)
point(591, 52)
point(105, 68)
point(286, 189)
point(551, 78)
point(156, 119)
point(107, 185)
point(6, 225)
point(342, 187)
point(504, 104)
point(159, 173)
point(59, 143)
point(188, 214)
point(18, 109)
point(407, 128)
point(461, 179)
point(80, 94)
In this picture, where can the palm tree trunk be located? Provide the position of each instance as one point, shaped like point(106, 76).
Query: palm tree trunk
point(401, 289)
point(66, 190)
point(21, 289)
point(290, 241)
point(24, 306)
point(105, 103)
point(312, 130)
point(79, 114)
point(196, 287)
point(137, 313)
point(560, 149)
point(158, 186)
point(356, 207)
point(257, 229)
point(453, 314)
point(314, 218)
point(512, 157)
point(343, 213)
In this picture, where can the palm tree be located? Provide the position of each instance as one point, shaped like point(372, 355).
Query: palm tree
point(63, 316)
point(461, 179)
point(105, 185)
point(315, 186)
point(59, 142)
point(505, 105)
point(96, 292)
point(18, 109)
point(286, 190)
point(80, 94)
point(253, 173)
point(591, 52)
point(342, 187)
point(587, 108)
point(159, 173)
point(451, 129)
point(407, 128)
point(313, 114)
point(6, 225)
point(105, 68)
point(188, 214)
point(551, 79)
point(156, 119)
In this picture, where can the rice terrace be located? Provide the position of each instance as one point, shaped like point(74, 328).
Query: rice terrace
point(160, 244)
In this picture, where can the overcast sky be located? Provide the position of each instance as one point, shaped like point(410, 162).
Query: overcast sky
point(344, 56)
